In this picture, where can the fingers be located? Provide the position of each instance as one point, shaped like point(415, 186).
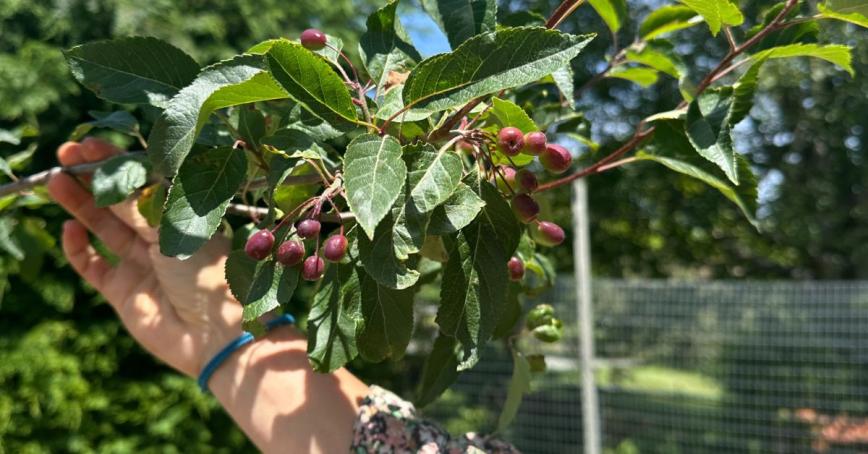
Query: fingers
point(93, 149)
point(82, 256)
point(119, 237)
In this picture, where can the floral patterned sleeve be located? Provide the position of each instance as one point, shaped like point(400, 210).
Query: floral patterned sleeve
point(387, 424)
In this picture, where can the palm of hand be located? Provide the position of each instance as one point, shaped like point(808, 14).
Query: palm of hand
point(178, 310)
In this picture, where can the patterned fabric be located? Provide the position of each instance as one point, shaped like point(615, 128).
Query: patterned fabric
point(388, 424)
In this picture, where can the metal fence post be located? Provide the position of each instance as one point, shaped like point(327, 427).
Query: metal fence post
point(582, 266)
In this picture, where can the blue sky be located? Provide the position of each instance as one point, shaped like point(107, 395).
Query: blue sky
point(424, 33)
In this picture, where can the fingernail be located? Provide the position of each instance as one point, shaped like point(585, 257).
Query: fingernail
point(68, 225)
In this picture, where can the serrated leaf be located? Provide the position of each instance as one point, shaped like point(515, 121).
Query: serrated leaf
point(311, 81)
point(388, 320)
point(392, 103)
point(385, 46)
point(563, 78)
point(668, 19)
point(674, 149)
point(644, 77)
point(474, 283)
point(380, 261)
point(198, 198)
point(440, 370)
point(613, 12)
point(853, 11)
point(717, 13)
point(117, 178)
point(488, 63)
point(744, 196)
point(294, 143)
point(519, 385)
point(259, 285)
point(834, 53)
point(743, 92)
point(460, 20)
point(132, 70)
point(457, 212)
point(374, 176)
point(709, 131)
point(333, 319)
point(240, 80)
point(434, 177)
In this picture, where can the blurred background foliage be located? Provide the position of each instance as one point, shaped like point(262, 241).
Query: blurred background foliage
point(73, 381)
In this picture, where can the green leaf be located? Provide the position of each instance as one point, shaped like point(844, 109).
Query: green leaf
point(613, 12)
point(8, 242)
point(853, 11)
point(330, 52)
point(251, 125)
point(434, 177)
point(474, 283)
point(259, 285)
point(334, 319)
point(744, 195)
point(385, 46)
point(132, 70)
point(117, 178)
point(4, 167)
point(295, 144)
point(563, 78)
point(380, 261)
point(644, 77)
point(668, 19)
point(743, 92)
point(311, 81)
point(519, 385)
point(834, 53)
point(440, 370)
point(461, 20)
point(507, 113)
point(717, 13)
point(392, 103)
point(374, 176)
point(656, 59)
point(121, 121)
point(388, 320)
point(457, 212)
point(488, 63)
point(710, 132)
point(672, 149)
point(240, 80)
point(198, 198)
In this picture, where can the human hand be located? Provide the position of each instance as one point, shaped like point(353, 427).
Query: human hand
point(180, 311)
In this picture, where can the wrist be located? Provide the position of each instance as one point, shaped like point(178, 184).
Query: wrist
point(222, 327)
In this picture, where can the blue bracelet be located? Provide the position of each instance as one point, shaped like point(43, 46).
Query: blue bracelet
point(242, 340)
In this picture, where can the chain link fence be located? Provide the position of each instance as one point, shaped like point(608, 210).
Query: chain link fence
point(693, 367)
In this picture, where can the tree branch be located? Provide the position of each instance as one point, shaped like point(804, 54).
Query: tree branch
point(41, 178)
point(723, 67)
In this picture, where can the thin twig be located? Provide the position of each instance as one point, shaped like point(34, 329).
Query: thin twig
point(239, 209)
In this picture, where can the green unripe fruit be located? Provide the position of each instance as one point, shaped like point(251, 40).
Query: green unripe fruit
point(552, 332)
point(542, 314)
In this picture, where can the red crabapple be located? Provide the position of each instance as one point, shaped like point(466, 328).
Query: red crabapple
point(313, 39)
point(556, 158)
point(525, 208)
point(313, 268)
point(259, 244)
point(335, 248)
point(535, 143)
point(510, 141)
point(548, 233)
point(526, 180)
point(290, 253)
point(308, 228)
point(516, 269)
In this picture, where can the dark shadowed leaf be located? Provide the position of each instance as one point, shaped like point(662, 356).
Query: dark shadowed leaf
point(259, 285)
point(334, 319)
point(460, 20)
point(118, 177)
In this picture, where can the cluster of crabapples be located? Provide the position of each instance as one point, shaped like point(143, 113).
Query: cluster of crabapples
point(292, 251)
point(522, 183)
point(519, 184)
